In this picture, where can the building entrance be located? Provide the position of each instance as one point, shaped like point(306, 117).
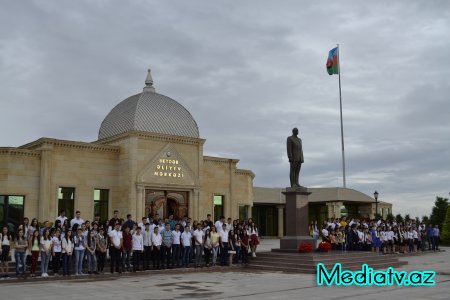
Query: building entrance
point(166, 202)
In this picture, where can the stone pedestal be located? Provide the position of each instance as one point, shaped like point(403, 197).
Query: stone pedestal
point(297, 217)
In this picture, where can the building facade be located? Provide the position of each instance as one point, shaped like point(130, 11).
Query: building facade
point(148, 159)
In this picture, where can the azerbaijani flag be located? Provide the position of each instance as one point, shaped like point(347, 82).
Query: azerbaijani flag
point(332, 62)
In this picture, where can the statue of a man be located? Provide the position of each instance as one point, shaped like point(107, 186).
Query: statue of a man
point(295, 155)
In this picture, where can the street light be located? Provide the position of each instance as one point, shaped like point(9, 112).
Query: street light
point(375, 195)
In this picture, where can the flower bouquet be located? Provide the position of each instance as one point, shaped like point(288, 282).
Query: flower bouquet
point(305, 247)
point(324, 247)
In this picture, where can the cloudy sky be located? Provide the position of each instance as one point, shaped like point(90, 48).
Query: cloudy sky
point(248, 71)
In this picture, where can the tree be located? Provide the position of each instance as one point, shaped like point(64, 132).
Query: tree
point(425, 220)
point(390, 217)
point(407, 218)
point(439, 211)
point(399, 219)
point(445, 236)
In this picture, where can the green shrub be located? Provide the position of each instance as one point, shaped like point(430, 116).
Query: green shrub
point(445, 233)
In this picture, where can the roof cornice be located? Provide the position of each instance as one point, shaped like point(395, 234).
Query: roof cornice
point(40, 143)
point(220, 159)
point(152, 136)
point(19, 152)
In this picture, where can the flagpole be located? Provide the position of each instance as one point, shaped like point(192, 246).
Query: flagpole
point(342, 125)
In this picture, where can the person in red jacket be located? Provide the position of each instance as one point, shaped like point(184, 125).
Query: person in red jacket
point(126, 249)
point(245, 239)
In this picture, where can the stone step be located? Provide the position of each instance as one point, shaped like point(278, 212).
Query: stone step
point(314, 264)
point(281, 269)
point(309, 270)
point(330, 260)
point(332, 252)
point(307, 262)
point(324, 259)
point(277, 252)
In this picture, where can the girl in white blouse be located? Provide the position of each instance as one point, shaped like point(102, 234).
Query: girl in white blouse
point(46, 247)
point(56, 251)
point(5, 246)
point(67, 252)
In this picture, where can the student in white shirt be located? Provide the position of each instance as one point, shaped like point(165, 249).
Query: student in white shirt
point(229, 224)
point(56, 251)
point(77, 220)
point(198, 240)
point(138, 248)
point(223, 234)
point(79, 242)
point(115, 248)
point(405, 235)
point(186, 239)
point(360, 238)
point(436, 236)
point(161, 226)
point(384, 240)
point(67, 251)
point(176, 247)
point(156, 253)
point(62, 216)
point(219, 223)
point(5, 247)
point(147, 240)
point(325, 234)
point(46, 247)
point(415, 238)
point(142, 224)
point(411, 239)
point(390, 237)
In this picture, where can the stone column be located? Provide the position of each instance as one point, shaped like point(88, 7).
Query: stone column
point(230, 208)
point(191, 205)
point(372, 211)
point(334, 209)
point(140, 194)
point(330, 209)
point(297, 216)
point(132, 169)
point(337, 210)
point(197, 204)
point(280, 220)
point(46, 210)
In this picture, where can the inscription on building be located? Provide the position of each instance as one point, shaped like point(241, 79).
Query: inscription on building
point(169, 168)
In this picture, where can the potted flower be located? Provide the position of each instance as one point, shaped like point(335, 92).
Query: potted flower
point(324, 247)
point(305, 247)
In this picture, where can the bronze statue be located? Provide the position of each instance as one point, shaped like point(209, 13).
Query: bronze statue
point(295, 155)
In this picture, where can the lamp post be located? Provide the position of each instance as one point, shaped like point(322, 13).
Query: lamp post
point(375, 195)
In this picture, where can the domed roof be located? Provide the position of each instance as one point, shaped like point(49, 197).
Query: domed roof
point(151, 112)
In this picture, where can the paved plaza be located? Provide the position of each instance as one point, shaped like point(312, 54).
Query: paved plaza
point(234, 284)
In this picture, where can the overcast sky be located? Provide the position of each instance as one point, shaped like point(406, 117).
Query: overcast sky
point(248, 71)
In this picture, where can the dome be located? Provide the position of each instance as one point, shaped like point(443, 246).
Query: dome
point(151, 112)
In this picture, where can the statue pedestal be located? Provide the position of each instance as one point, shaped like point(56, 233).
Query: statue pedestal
point(297, 230)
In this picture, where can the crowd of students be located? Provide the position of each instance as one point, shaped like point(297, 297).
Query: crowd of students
point(77, 246)
point(379, 236)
